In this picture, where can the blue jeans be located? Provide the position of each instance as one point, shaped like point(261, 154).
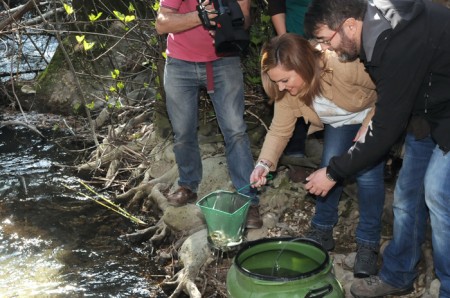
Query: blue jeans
point(182, 83)
point(370, 185)
point(422, 191)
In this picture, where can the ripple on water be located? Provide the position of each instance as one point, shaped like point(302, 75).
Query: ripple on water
point(54, 242)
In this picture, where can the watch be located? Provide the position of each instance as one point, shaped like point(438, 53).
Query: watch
point(329, 177)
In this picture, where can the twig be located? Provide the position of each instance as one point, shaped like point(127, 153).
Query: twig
point(260, 120)
point(109, 204)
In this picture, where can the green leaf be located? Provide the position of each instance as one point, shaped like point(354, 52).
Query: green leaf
point(91, 105)
point(136, 135)
point(68, 8)
point(119, 15)
point(131, 7)
point(94, 18)
point(164, 55)
point(112, 89)
point(120, 85)
point(129, 18)
point(155, 6)
point(115, 73)
point(118, 104)
point(79, 38)
point(76, 107)
point(88, 45)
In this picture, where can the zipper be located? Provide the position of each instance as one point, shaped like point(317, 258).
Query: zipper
point(426, 94)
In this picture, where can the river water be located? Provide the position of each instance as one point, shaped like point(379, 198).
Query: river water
point(53, 241)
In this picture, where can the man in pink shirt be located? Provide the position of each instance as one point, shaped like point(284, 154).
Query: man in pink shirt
point(192, 63)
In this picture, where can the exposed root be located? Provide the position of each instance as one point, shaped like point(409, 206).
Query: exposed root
point(154, 234)
point(194, 254)
point(168, 178)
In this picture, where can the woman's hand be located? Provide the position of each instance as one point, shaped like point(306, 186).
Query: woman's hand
point(259, 175)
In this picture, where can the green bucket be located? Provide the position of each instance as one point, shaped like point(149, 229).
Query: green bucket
point(282, 268)
point(225, 215)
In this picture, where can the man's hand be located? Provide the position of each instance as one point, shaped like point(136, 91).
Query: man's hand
point(318, 183)
point(207, 14)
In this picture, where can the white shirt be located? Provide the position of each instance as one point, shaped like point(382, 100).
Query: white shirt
point(330, 113)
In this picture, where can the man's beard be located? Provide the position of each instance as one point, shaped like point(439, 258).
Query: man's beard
point(348, 51)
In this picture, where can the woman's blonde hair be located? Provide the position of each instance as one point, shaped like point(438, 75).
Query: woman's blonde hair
point(292, 52)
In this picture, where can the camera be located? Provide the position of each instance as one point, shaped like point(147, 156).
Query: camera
point(231, 38)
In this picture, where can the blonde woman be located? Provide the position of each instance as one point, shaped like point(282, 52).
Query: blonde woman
point(339, 98)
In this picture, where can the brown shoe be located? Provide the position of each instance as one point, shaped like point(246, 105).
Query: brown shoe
point(254, 220)
point(181, 197)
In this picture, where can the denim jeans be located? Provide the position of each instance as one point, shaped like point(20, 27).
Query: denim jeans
point(422, 192)
point(182, 83)
point(370, 185)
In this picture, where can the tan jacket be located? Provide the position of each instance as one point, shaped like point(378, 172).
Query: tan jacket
point(346, 84)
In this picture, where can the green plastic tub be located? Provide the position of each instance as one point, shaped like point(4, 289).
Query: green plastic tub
point(282, 268)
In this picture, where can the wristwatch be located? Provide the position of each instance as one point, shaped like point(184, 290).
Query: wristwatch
point(329, 177)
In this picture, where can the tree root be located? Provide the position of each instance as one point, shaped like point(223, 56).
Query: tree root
point(194, 254)
point(168, 178)
point(153, 234)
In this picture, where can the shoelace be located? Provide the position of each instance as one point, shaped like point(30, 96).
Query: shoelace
point(373, 280)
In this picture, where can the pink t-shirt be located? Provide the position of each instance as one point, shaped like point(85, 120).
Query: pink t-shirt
point(194, 45)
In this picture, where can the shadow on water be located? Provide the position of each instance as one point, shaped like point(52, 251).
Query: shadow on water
point(55, 243)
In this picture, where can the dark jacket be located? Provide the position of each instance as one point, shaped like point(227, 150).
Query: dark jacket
point(407, 54)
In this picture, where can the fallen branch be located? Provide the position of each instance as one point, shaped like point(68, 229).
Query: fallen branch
point(29, 126)
point(17, 14)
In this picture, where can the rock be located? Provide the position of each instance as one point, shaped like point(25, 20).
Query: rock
point(349, 260)
point(434, 288)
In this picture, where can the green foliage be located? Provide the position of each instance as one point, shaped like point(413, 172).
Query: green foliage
point(260, 31)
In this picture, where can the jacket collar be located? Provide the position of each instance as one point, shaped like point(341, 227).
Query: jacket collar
point(382, 15)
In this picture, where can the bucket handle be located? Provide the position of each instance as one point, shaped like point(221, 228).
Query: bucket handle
point(320, 292)
point(269, 177)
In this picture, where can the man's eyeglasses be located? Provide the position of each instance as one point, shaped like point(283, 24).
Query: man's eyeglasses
point(328, 42)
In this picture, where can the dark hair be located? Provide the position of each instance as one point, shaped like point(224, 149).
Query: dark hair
point(292, 52)
point(332, 13)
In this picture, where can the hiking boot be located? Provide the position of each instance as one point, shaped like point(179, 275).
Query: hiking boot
point(181, 197)
point(323, 237)
point(365, 262)
point(373, 286)
point(254, 220)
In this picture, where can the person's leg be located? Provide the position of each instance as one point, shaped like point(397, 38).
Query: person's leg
point(410, 215)
point(229, 105)
point(181, 86)
point(437, 197)
point(401, 256)
point(337, 140)
point(296, 145)
point(371, 194)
